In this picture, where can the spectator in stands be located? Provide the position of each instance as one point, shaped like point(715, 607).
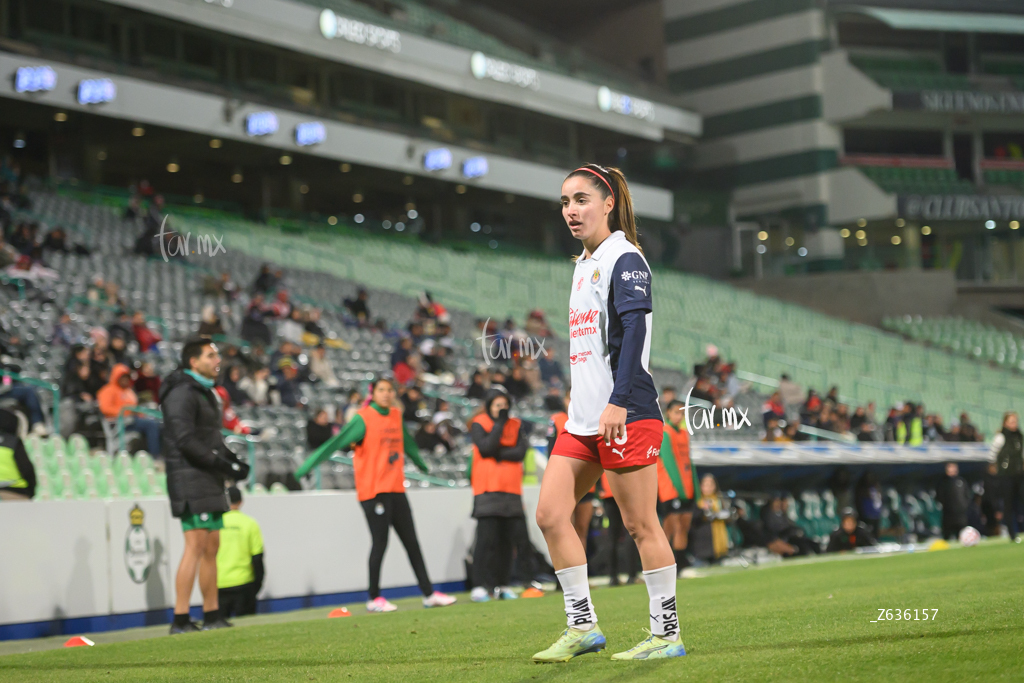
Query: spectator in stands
point(210, 325)
point(80, 383)
point(910, 430)
point(537, 324)
point(516, 385)
point(496, 474)
point(416, 407)
point(117, 395)
point(934, 429)
point(23, 240)
point(254, 326)
point(147, 383)
point(478, 386)
point(407, 370)
point(849, 535)
point(773, 409)
point(355, 402)
point(702, 390)
point(265, 282)
point(112, 297)
point(968, 432)
point(322, 367)
point(147, 338)
point(432, 440)
point(29, 400)
point(790, 392)
point(220, 287)
point(231, 421)
point(401, 351)
point(832, 397)
point(868, 494)
point(953, 494)
point(777, 524)
point(17, 474)
point(358, 307)
point(312, 325)
point(8, 254)
point(292, 327)
point(667, 395)
point(66, 333)
point(281, 307)
point(285, 384)
point(550, 368)
point(257, 386)
point(709, 537)
point(118, 350)
point(811, 407)
point(240, 569)
point(772, 431)
point(230, 381)
point(198, 463)
point(318, 429)
point(1008, 453)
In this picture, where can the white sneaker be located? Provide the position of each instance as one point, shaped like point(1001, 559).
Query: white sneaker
point(380, 604)
point(438, 599)
point(479, 594)
point(505, 593)
point(39, 429)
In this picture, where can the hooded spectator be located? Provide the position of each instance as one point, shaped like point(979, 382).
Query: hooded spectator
point(118, 395)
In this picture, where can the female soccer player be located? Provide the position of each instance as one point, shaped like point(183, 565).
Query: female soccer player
point(615, 423)
point(381, 443)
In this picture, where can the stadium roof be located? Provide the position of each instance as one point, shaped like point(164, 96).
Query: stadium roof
point(933, 20)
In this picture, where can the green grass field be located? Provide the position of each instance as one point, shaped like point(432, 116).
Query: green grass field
point(786, 622)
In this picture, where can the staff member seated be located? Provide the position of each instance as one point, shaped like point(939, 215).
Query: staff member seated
point(239, 560)
point(849, 535)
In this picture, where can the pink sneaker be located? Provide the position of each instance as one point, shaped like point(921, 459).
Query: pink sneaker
point(380, 604)
point(438, 599)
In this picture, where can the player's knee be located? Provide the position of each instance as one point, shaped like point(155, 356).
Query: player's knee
point(641, 528)
point(548, 518)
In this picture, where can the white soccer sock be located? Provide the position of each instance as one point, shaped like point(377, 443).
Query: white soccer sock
point(579, 610)
point(661, 588)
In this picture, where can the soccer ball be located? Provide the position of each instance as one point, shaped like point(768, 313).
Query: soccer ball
point(969, 536)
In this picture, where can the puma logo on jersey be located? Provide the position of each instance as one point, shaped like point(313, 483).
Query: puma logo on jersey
point(642, 289)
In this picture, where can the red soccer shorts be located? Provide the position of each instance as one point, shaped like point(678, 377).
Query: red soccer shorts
point(639, 446)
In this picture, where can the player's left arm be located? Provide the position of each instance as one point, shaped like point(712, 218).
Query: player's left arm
point(631, 295)
point(413, 451)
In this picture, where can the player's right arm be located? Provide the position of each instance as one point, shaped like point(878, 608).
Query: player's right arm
point(352, 433)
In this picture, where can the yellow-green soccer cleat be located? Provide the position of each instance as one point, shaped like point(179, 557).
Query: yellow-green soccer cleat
point(572, 643)
point(653, 647)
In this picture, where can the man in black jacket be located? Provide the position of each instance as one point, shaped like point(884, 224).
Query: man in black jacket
point(954, 494)
point(198, 464)
point(17, 475)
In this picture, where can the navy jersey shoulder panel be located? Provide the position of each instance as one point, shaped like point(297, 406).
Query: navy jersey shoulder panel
point(631, 284)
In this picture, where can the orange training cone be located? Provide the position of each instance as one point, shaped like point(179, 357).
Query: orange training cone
point(78, 641)
point(340, 612)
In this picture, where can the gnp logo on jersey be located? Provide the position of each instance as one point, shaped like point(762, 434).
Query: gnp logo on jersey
point(636, 276)
point(581, 323)
point(596, 277)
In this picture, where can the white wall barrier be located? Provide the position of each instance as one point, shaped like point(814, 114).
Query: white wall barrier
point(69, 559)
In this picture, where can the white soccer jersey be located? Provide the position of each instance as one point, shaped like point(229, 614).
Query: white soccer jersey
point(613, 281)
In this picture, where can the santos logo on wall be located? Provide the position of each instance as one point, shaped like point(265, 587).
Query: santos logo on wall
point(138, 552)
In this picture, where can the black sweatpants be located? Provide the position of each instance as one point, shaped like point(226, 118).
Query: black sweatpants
point(237, 601)
point(388, 510)
point(496, 539)
point(616, 530)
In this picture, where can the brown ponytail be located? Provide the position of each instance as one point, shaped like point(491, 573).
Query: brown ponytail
point(612, 183)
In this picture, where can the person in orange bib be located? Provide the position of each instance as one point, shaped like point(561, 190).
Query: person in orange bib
point(584, 511)
point(381, 443)
point(496, 472)
point(678, 487)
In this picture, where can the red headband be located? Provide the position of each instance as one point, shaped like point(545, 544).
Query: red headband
point(603, 179)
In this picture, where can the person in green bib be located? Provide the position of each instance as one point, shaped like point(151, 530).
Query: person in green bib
point(239, 560)
point(17, 475)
